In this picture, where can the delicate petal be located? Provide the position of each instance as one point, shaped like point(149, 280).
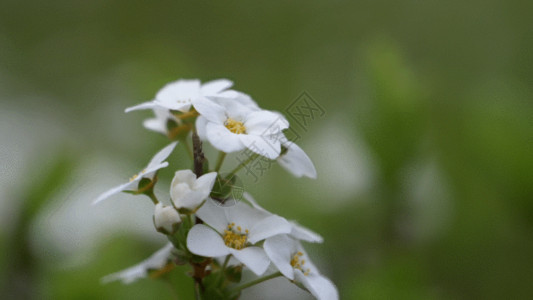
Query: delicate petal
point(201, 122)
point(162, 155)
point(190, 200)
point(177, 94)
point(263, 146)
point(184, 176)
point(222, 139)
point(115, 190)
point(156, 125)
point(157, 261)
point(210, 110)
point(214, 215)
point(318, 285)
point(243, 215)
point(145, 105)
point(305, 234)
point(280, 250)
point(205, 182)
point(297, 162)
point(268, 227)
point(252, 257)
point(204, 241)
point(265, 123)
point(149, 172)
point(215, 86)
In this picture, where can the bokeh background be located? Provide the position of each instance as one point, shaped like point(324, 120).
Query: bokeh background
point(424, 153)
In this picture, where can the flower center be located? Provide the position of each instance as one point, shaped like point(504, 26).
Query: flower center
point(298, 263)
point(235, 126)
point(234, 237)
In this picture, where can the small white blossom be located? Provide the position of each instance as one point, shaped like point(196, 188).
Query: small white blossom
point(165, 216)
point(157, 261)
point(296, 161)
point(231, 126)
point(181, 94)
point(188, 192)
point(293, 262)
point(157, 162)
point(298, 231)
point(235, 230)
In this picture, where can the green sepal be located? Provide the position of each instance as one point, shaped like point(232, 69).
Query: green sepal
point(234, 273)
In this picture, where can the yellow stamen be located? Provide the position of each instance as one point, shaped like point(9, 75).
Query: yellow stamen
point(134, 177)
point(297, 263)
point(235, 126)
point(233, 239)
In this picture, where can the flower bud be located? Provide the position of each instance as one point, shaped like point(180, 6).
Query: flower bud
point(166, 218)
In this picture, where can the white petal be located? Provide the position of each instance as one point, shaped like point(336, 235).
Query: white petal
point(157, 261)
point(210, 110)
point(162, 155)
point(214, 215)
point(190, 200)
point(252, 257)
point(184, 176)
point(201, 123)
point(149, 172)
point(280, 250)
point(204, 241)
point(264, 122)
point(297, 162)
point(145, 105)
point(156, 125)
point(216, 86)
point(180, 90)
point(244, 215)
point(263, 146)
point(305, 234)
point(116, 190)
point(205, 183)
point(321, 287)
point(268, 227)
point(222, 139)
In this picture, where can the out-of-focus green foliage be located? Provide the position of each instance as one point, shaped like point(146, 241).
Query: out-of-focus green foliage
point(438, 93)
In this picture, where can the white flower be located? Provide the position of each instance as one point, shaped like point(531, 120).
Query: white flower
point(157, 261)
point(298, 231)
point(296, 161)
point(188, 192)
point(231, 126)
point(181, 94)
point(293, 262)
point(155, 164)
point(159, 122)
point(235, 230)
point(165, 216)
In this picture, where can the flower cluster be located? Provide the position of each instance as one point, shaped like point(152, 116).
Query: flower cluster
point(209, 227)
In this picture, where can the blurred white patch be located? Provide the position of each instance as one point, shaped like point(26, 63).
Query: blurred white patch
point(429, 202)
point(274, 289)
point(344, 165)
point(70, 228)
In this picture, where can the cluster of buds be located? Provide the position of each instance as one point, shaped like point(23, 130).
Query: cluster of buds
point(216, 229)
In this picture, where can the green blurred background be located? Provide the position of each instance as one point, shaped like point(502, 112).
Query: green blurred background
point(424, 153)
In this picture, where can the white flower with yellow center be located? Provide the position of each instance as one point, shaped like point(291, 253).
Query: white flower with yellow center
point(296, 161)
point(235, 230)
point(159, 260)
point(231, 126)
point(181, 94)
point(165, 217)
point(157, 162)
point(292, 261)
point(189, 192)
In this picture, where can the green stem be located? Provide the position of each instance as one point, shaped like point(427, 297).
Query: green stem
point(240, 166)
point(187, 146)
point(220, 160)
point(152, 196)
point(197, 294)
point(226, 262)
point(257, 281)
